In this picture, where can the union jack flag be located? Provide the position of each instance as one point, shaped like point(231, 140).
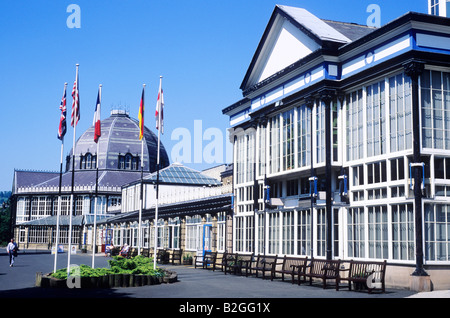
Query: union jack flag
point(62, 120)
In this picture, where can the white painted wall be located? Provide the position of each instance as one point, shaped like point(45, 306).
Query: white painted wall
point(288, 46)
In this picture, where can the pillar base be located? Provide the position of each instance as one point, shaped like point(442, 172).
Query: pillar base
point(420, 283)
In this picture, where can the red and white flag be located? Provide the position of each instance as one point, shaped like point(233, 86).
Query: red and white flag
point(75, 103)
point(97, 114)
point(159, 113)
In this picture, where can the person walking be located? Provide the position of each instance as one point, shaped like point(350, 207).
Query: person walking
point(11, 249)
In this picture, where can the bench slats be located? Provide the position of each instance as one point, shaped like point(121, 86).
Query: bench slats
point(290, 266)
point(359, 273)
point(263, 263)
point(323, 269)
point(208, 258)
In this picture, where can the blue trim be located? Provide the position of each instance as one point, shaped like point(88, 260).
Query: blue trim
point(345, 185)
point(368, 57)
point(366, 54)
point(313, 187)
point(267, 199)
point(307, 74)
point(242, 112)
point(423, 176)
point(429, 48)
point(204, 227)
point(332, 77)
point(411, 176)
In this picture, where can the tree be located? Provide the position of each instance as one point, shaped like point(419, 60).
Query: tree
point(5, 217)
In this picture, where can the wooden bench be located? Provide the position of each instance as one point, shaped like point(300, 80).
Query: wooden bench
point(323, 269)
point(162, 256)
point(220, 260)
point(146, 252)
point(237, 262)
point(229, 262)
point(291, 266)
point(360, 271)
point(223, 260)
point(263, 263)
point(207, 259)
point(244, 262)
point(176, 256)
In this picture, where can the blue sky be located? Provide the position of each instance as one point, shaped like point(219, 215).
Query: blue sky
point(202, 49)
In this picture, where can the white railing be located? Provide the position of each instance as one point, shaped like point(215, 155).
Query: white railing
point(68, 189)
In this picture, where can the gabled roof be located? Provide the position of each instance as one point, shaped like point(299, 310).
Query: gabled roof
point(313, 24)
point(181, 175)
point(303, 33)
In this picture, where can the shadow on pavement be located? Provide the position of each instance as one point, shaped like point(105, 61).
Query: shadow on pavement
point(38, 292)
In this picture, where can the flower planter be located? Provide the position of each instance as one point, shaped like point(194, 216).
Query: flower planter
point(118, 279)
point(187, 261)
point(45, 281)
point(85, 282)
point(126, 280)
point(107, 281)
point(151, 280)
point(104, 283)
point(57, 283)
point(132, 279)
point(96, 282)
point(138, 280)
point(144, 279)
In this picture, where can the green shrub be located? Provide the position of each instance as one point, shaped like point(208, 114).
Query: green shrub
point(118, 265)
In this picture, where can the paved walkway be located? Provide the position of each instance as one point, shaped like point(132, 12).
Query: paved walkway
point(19, 281)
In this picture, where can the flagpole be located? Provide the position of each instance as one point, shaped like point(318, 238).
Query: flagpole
point(72, 203)
point(58, 213)
point(94, 236)
point(157, 174)
point(142, 184)
point(69, 251)
point(59, 207)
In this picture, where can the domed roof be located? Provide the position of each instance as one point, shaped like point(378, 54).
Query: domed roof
point(119, 145)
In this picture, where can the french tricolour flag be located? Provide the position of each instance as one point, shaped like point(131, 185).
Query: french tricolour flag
point(96, 123)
